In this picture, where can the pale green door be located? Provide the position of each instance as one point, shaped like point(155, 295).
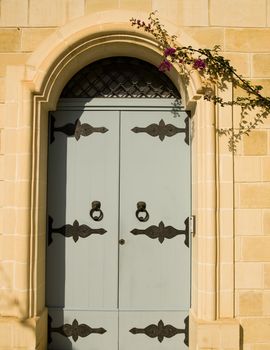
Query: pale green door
point(118, 277)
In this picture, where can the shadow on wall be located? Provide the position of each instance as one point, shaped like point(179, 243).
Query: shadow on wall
point(14, 303)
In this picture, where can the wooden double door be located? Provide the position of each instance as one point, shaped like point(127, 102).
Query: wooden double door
point(118, 255)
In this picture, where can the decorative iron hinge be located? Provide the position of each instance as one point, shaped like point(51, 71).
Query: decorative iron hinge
point(74, 330)
point(75, 231)
point(162, 331)
point(161, 232)
point(161, 130)
point(77, 129)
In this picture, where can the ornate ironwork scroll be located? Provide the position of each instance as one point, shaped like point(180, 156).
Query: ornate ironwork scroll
point(120, 77)
point(74, 330)
point(161, 232)
point(75, 230)
point(77, 129)
point(162, 331)
point(161, 130)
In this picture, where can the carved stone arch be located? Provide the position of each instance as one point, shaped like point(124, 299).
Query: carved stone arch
point(34, 89)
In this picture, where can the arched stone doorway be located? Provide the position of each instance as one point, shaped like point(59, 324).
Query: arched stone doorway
point(34, 89)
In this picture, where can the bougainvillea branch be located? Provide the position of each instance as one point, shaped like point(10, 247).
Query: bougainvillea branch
point(215, 71)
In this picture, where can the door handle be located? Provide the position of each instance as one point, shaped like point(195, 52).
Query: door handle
point(96, 208)
point(141, 208)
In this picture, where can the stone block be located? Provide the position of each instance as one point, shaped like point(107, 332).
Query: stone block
point(5, 336)
point(265, 83)
point(266, 222)
point(9, 193)
point(2, 90)
point(14, 303)
point(21, 249)
point(9, 223)
point(171, 13)
point(254, 195)
point(247, 40)
point(32, 37)
point(226, 304)
point(7, 247)
point(256, 248)
point(226, 274)
point(11, 59)
point(226, 195)
point(250, 303)
point(47, 13)
point(256, 330)
point(22, 197)
point(9, 137)
point(24, 136)
point(247, 13)
point(21, 280)
point(261, 65)
point(13, 13)
point(248, 222)
point(23, 167)
point(240, 61)
point(24, 334)
point(143, 5)
point(97, 5)
point(10, 167)
point(247, 169)
point(248, 275)
point(266, 274)
point(75, 9)
point(7, 275)
point(22, 222)
point(256, 143)
point(266, 303)
point(10, 39)
point(226, 223)
point(205, 36)
point(193, 12)
point(266, 168)
point(260, 347)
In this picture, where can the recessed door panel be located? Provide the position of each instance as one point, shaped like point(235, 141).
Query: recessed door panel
point(158, 330)
point(154, 261)
point(83, 330)
point(82, 262)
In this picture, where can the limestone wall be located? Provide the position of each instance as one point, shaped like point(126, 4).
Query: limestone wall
point(242, 29)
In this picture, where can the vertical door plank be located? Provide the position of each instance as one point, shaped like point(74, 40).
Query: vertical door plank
point(83, 275)
point(154, 275)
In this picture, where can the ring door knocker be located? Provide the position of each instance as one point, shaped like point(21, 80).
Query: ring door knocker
point(141, 208)
point(96, 208)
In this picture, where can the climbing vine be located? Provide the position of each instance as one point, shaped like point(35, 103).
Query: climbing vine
point(215, 71)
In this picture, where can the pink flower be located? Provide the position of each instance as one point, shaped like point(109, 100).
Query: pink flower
point(199, 64)
point(169, 51)
point(165, 65)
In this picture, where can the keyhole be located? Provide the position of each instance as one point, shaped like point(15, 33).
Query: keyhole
point(122, 241)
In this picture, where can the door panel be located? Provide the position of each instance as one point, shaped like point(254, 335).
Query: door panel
point(153, 330)
point(85, 273)
point(154, 273)
point(95, 330)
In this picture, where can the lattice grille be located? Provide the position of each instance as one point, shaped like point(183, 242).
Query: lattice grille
point(122, 77)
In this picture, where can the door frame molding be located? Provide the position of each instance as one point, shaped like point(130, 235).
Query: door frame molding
point(33, 89)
